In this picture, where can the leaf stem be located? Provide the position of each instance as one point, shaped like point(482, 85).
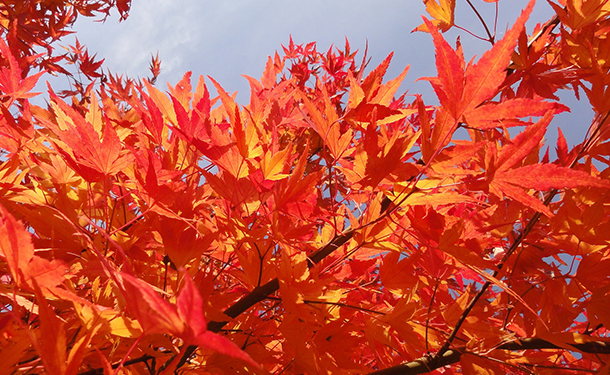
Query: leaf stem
point(489, 35)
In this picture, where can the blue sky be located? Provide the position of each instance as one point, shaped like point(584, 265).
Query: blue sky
point(225, 39)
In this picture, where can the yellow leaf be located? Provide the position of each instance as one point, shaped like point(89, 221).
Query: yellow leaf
point(94, 114)
point(272, 166)
point(124, 327)
point(356, 94)
point(77, 352)
point(109, 320)
point(440, 199)
point(162, 102)
point(473, 364)
point(443, 14)
point(63, 120)
point(386, 92)
point(456, 309)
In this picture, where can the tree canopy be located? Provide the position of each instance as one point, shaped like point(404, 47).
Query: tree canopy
point(332, 225)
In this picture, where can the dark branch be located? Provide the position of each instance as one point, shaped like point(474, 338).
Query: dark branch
point(427, 364)
point(261, 292)
point(100, 371)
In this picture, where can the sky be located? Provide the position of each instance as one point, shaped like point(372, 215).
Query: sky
point(228, 39)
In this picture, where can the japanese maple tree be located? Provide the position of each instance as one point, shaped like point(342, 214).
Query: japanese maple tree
point(332, 225)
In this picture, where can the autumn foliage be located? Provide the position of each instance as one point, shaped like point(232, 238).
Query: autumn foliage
point(332, 225)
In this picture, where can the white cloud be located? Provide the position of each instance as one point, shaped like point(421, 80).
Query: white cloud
point(231, 38)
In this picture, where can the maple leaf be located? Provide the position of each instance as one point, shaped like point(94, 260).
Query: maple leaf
point(28, 270)
point(296, 195)
point(579, 13)
point(155, 68)
point(326, 123)
point(93, 158)
point(524, 144)
point(380, 161)
point(442, 12)
point(182, 241)
point(190, 309)
point(562, 149)
point(16, 245)
point(154, 313)
point(535, 75)
point(550, 176)
point(372, 83)
point(462, 91)
point(272, 166)
point(475, 364)
point(152, 117)
point(506, 114)
point(12, 85)
point(52, 352)
point(89, 67)
point(185, 319)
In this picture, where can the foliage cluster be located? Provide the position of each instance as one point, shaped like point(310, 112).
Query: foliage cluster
point(328, 226)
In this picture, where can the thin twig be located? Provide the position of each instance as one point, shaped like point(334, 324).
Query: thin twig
point(428, 315)
point(491, 37)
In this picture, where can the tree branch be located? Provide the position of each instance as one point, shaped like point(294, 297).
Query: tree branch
point(427, 364)
point(100, 371)
point(261, 292)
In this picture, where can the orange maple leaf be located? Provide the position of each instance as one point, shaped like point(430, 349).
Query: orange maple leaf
point(27, 268)
point(11, 82)
point(464, 92)
point(92, 158)
point(185, 319)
